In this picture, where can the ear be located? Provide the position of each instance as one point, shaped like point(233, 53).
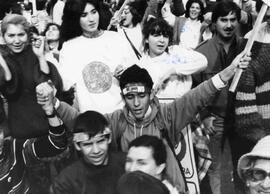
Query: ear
point(108, 130)
point(160, 168)
point(77, 147)
point(122, 95)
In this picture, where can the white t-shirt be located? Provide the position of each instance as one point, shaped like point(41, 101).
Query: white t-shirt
point(176, 67)
point(90, 64)
point(190, 34)
point(135, 36)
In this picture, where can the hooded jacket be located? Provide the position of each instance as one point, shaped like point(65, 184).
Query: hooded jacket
point(172, 117)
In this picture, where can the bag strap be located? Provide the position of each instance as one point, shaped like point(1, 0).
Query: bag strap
point(137, 53)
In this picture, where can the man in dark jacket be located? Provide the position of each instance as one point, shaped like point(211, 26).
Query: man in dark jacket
point(98, 170)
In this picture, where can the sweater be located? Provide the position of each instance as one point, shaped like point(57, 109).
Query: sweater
point(26, 119)
point(173, 70)
point(18, 155)
point(89, 63)
point(84, 178)
point(252, 104)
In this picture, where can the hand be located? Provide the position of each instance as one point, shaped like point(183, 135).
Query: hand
point(208, 125)
point(45, 96)
point(240, 61)
point(118, 71)
point(38, 46)
point(115, 22)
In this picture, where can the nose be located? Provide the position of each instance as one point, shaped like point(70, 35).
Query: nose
point(161, 38)
point(266, 183)
point(136, 101)
point(133, 167)
point(229, 24)
point(16, 39)
point(90, 17)
point(95, 148)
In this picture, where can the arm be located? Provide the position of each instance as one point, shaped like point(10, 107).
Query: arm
point(188, 61)
point(195, 100)
point(67, 113)
point(46, 146)
point(38, 47)
point(248, 121)
point(6, 70)
point(178, 7)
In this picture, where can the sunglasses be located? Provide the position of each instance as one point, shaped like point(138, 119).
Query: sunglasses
point(257, 174)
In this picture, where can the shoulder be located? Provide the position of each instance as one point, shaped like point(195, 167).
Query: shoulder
point(72, 170)
point(70, 43)
point(204, 44)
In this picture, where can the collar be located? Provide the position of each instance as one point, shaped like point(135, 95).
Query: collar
point(147, 114)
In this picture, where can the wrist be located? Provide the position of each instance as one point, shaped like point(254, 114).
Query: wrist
point(50, 113)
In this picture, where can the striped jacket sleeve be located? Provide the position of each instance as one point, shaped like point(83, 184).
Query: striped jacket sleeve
point(248, 119)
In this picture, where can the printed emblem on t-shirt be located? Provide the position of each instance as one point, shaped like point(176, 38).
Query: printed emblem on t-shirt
point(97, 77)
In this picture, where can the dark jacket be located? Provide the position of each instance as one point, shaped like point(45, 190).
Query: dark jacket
point(84, 178)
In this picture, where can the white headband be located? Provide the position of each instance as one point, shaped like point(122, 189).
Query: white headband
point(129, 89)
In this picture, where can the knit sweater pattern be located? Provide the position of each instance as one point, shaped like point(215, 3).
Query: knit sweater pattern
point(252, 105)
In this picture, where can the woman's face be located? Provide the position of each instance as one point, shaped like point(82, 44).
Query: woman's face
point(158, 43)
point(126, 17)
point(89, 20)
point(15, 37)
point(52, 33)
point(261, 183)
point(194, 11)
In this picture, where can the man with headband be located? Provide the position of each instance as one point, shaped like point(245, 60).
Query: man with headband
point(144, 115)
point(97, 170)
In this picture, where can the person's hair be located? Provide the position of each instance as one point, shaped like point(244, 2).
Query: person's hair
point(138, 182)
point(16, 20)
point(156, 26)
point(135, 74)
point(188, 6)
point(90, 122)
point(223, 8)
point(73, 10)
point(48, 26)
point(157, 146)
point(137, 9)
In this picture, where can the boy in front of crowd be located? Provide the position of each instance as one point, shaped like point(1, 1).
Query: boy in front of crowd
point(98, 170)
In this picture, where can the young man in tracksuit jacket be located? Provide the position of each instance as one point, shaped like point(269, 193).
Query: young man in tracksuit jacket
point(144, 115)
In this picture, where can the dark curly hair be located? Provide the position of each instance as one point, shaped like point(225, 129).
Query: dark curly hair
point(135, 74)
point(188, 6)
point(156, 26)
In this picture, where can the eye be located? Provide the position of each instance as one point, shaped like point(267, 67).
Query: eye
point(86, 144)
point(83, 15)
point(142, 163)
point(129, 96)
point(142, 95)
point(94, 11)
point(101, 140)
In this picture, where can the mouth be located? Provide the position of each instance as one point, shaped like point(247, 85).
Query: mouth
point(161, 46)
point(137, 111)
point(17, 47)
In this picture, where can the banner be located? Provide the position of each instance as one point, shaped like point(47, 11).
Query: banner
point(185, 154)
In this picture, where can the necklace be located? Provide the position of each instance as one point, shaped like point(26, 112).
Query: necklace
point(95, 34)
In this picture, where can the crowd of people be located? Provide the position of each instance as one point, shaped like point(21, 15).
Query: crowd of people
point(94, 95)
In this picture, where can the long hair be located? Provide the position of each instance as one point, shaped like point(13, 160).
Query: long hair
point(73, 10)
point(188, 6)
